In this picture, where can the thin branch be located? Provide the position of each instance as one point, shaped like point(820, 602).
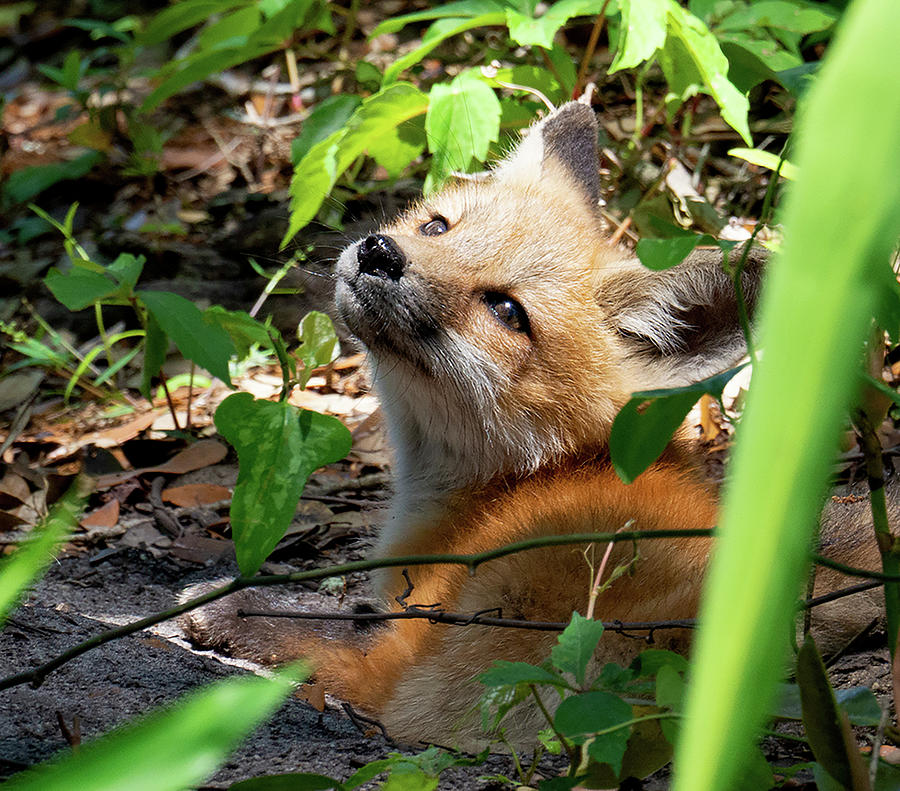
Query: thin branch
point(36, 675)
point(591, 46)
point(434, 615)
point(465, 619)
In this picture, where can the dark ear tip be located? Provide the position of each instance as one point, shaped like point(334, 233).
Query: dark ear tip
point(570, 137)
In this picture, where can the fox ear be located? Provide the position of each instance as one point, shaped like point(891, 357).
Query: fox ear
point(681, 324)
point(567, 140)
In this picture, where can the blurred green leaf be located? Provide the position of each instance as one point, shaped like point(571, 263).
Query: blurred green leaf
point(824, 289)
point(766, 159)
point(27, 563)
point(169, 750)
point(24, 184)
point(278, 447)
point(183, 15)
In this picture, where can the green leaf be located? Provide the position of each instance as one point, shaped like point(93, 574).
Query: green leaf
point(539, 31)
point(651, 661)
point(27, 563)
point(241, 327)
point(645, 425)
point(171, 749)
point(504, 673)
point(328, 117)
point(463, 120)
point(461, 8)
point(438, 32)
point(231, 29)
point(576, 645)
point(692, 61)
point(399, 146)
point(278, 447)
point(24, 184)
point(183, 15)
point(590, 712)
point(156, 344)
point(200, 65)
point(859, 703)
point(827, 728)
point(824, 289)
point(318, 343)
point(778, 14)
point(642, 32)
point(202, 341)
point(660, 254)
point(766, 159)
point(301, 781)
point(376, 118)
point(78, 288)
point(126, 269)
point(670, 688)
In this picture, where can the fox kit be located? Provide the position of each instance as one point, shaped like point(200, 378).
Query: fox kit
point(504, 333)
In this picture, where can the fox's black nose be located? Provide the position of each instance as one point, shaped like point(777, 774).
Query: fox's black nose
point(377, 255)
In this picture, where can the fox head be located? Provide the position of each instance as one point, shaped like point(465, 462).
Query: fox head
point(504, 330)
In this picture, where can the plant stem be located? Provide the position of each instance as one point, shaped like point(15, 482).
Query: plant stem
point(165, 387)
point(471, 561)
point(890, 562)
point(589, 51)
point(101, 329)
point(570, 749)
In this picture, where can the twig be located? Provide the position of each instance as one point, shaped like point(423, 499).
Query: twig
point(465, 619)
point(36, 675)
point(570, 750)
point(413, 612)
point(591, 46)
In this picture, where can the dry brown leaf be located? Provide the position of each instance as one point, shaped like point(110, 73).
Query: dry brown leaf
point(104, 516)
point(15, 486)
point(194, 494)
point(199, 549)
point(203, 453)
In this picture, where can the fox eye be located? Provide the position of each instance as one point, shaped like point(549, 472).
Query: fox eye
point(435, 226)
point(507, 311)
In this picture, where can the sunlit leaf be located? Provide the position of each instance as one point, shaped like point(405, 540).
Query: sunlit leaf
point(278, 447)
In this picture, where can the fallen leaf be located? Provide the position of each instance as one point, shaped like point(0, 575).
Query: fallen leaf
point(104, 516)
point(201, 454)
point(194, 494)
point(199, 549)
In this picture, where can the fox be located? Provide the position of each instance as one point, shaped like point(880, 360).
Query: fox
point(504, 331)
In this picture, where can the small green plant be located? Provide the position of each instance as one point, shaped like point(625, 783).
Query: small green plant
point(278, 445)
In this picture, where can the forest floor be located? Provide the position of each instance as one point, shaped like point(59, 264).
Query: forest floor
point(209, 223)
